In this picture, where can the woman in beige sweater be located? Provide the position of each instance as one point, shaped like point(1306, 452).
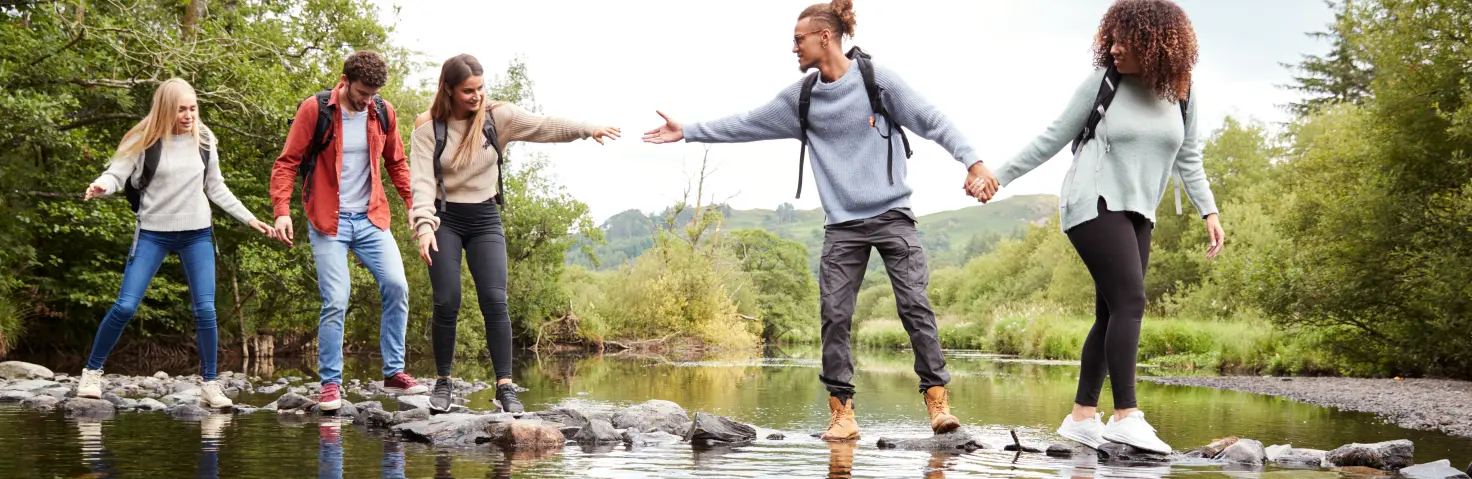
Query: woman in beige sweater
point(454, 158)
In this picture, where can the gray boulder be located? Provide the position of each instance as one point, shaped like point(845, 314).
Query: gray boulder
point(15, 396)
point(1389, 455)
point(955, 442)
point(451, 429)
point(88, 408)
point(1247, 452)
point(410, 403)
point(178, 399)
point(151, 404)
point(29, 385)
point(518, 435)
point(776, 436)
point(1213, 450)
point(188, 412)
point(1071, 449)
point(566, 417)
point(378, 418)
point(1433, 470)
point(368, 406)
point(711, 429)
point(185, 387)
point(633, 438)
point(402, 417)
point(161, 376)
point(17, 370)
point(268, 389)
point(654, 415)
point(1288, 456)
point(40, 403)
point(293, 401)
point(597, 432)
point(1116, 453)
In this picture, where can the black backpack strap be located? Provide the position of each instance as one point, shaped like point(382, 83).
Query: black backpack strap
point(876, 105)
point(439, 170)
point(382, 107)
point(804, 100)
point(493, 140)
point(134, 192)
point(1102, 100)
point(322, 135)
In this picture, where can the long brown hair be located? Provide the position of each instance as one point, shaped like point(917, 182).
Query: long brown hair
point(452, 73)
point(162, 115)
point(837, 16)
point(1158, 32)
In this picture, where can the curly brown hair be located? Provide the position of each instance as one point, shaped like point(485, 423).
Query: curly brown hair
point(365, 67)
point(837, 16)
point(1160, 35)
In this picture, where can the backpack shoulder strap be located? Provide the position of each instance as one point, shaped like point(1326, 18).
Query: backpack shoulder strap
point(384, 123)
point(1102, 100)
point(493, 141)
point(876, 105)
point(321, 135)
point(151, 157)
point(440, 132)
point(804, 100)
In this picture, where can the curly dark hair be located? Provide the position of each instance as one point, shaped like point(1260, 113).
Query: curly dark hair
point(837, 16)
point(1160, 35)
point(366, 67)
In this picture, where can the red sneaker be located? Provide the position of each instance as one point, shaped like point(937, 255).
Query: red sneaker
point(331, 397)
point(403, 383)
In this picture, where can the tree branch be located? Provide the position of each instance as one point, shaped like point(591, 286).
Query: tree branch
point(110, 83)
point(80, 33)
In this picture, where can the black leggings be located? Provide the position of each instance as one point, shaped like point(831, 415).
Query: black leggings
point(476, 228)
point(1116, 249)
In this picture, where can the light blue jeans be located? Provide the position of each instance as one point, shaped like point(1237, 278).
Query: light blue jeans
point(378, 251)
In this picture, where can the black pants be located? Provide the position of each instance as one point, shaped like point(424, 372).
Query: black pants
point(846, 249)
point(475, 228)
point(1116, 249)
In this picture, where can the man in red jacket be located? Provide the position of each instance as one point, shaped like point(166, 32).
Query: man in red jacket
point(347, 210)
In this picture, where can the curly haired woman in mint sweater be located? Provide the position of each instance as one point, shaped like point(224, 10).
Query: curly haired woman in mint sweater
point(173, 216)
point(1108, 200)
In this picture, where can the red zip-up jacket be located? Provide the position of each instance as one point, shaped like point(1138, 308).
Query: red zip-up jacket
point(322, 206)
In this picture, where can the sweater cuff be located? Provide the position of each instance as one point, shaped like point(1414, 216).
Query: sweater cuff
point(692, 133)
point(969, 159)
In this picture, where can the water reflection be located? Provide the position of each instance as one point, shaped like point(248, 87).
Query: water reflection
point(329, 450)
point(841, 459)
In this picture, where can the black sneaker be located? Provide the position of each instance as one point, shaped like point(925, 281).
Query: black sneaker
point(506, 395)
point(442, 397)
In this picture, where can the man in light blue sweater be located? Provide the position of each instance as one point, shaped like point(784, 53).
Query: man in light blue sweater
point(863, 192)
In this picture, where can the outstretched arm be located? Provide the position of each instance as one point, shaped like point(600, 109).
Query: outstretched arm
point(773, 121)
point(1062, 131)
point(514, 123)
point(912, 111)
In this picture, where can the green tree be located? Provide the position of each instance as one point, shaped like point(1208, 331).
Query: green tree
point(777, 269)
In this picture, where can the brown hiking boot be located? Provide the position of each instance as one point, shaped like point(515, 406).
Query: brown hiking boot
point(842, 426)
point(938, 402)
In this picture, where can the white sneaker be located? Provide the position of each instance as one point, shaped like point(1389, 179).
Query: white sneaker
point(1134, 431)
point(91, 384)
point(1089, 432)
point(210, 393)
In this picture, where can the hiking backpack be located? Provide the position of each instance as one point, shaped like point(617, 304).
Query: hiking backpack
point(488, 129)
point(150, 166)
point(1102, 100)
point(323, 134)
point(876, 104)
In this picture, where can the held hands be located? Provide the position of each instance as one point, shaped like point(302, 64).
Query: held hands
point(1216, 234)
point(94, 190)
point(263, 228)
point(284, 231)
point(602, 132)
point(980, 183)
point(669, 132)
point(427, 243)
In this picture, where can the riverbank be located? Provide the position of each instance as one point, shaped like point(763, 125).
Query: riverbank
point(1425, 404)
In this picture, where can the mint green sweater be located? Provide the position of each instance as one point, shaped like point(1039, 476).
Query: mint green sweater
point(1139, 144)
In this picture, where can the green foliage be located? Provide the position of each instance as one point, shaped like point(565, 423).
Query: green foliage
point(787, 294)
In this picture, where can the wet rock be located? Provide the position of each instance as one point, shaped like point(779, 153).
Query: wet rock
point(369, 405)
point(299, 390)
point(243, 409)
point(17, 370)
point(634, 438)
point(282, 381)
point(954, 441)
point(776, 436)
point(409, 403)
point(1211, 451)
point(40, 403)
point(597, 432)
point(1433, 470)
point(1247, 452)
point(293, 401)
point(378, 418)
point(1287, 456)
point(188, 412)
point(1025, 448)
point(114, 399)
point(268, 390)
point(177, 399)
point(1116, 453)
point(402, 417)
point(566, 417)
point(654, 415)
point(1068, 450)
point(238, 384)
point(89, 408)
point(710, 429)
point(1389, 455)
point(1363, 472)
point(347, 410)
point(450, 429)
point(151, 404)
point(29, 385)
point(185, 387)
point(161, 375)
point(523, 435)
point(16, 396)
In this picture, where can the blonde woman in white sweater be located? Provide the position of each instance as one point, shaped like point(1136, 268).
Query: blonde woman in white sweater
point(169, 164)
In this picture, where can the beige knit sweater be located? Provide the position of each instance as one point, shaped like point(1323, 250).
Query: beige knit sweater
point(475, 182)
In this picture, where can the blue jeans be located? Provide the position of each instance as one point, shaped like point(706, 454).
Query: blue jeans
point(378, 251)
point(197, 255)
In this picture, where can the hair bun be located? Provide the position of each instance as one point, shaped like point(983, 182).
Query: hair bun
point(844, 9)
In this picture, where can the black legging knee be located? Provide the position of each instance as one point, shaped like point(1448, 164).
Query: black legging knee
point(476, 229)
point(1116, 249)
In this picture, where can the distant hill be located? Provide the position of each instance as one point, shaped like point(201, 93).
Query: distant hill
point(949, 237)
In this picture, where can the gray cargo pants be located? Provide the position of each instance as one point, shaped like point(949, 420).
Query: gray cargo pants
point(841, 272)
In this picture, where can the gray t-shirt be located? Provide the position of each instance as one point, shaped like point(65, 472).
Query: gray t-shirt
point(353, 189)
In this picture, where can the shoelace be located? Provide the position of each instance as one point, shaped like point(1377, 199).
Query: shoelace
point(938, 407)
point(837, 416)
point(406, 379)
point(507, 393)
point(443, 386)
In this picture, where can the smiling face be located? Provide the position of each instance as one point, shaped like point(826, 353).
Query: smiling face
point(186, 114)
point(358, 95)
point(466, 97)
point(808, 43)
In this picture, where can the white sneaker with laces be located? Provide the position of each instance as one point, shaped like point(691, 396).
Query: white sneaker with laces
point(210, 393)
point(90, 385)
point(1134, 431)
point(1089, 432)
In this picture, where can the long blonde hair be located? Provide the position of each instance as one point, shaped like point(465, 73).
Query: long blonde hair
point(452, 73)
point(160, 120)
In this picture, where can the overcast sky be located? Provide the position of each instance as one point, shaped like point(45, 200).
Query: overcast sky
point(1000, 69)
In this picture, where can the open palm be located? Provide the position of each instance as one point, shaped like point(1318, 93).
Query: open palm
point(669, 132)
